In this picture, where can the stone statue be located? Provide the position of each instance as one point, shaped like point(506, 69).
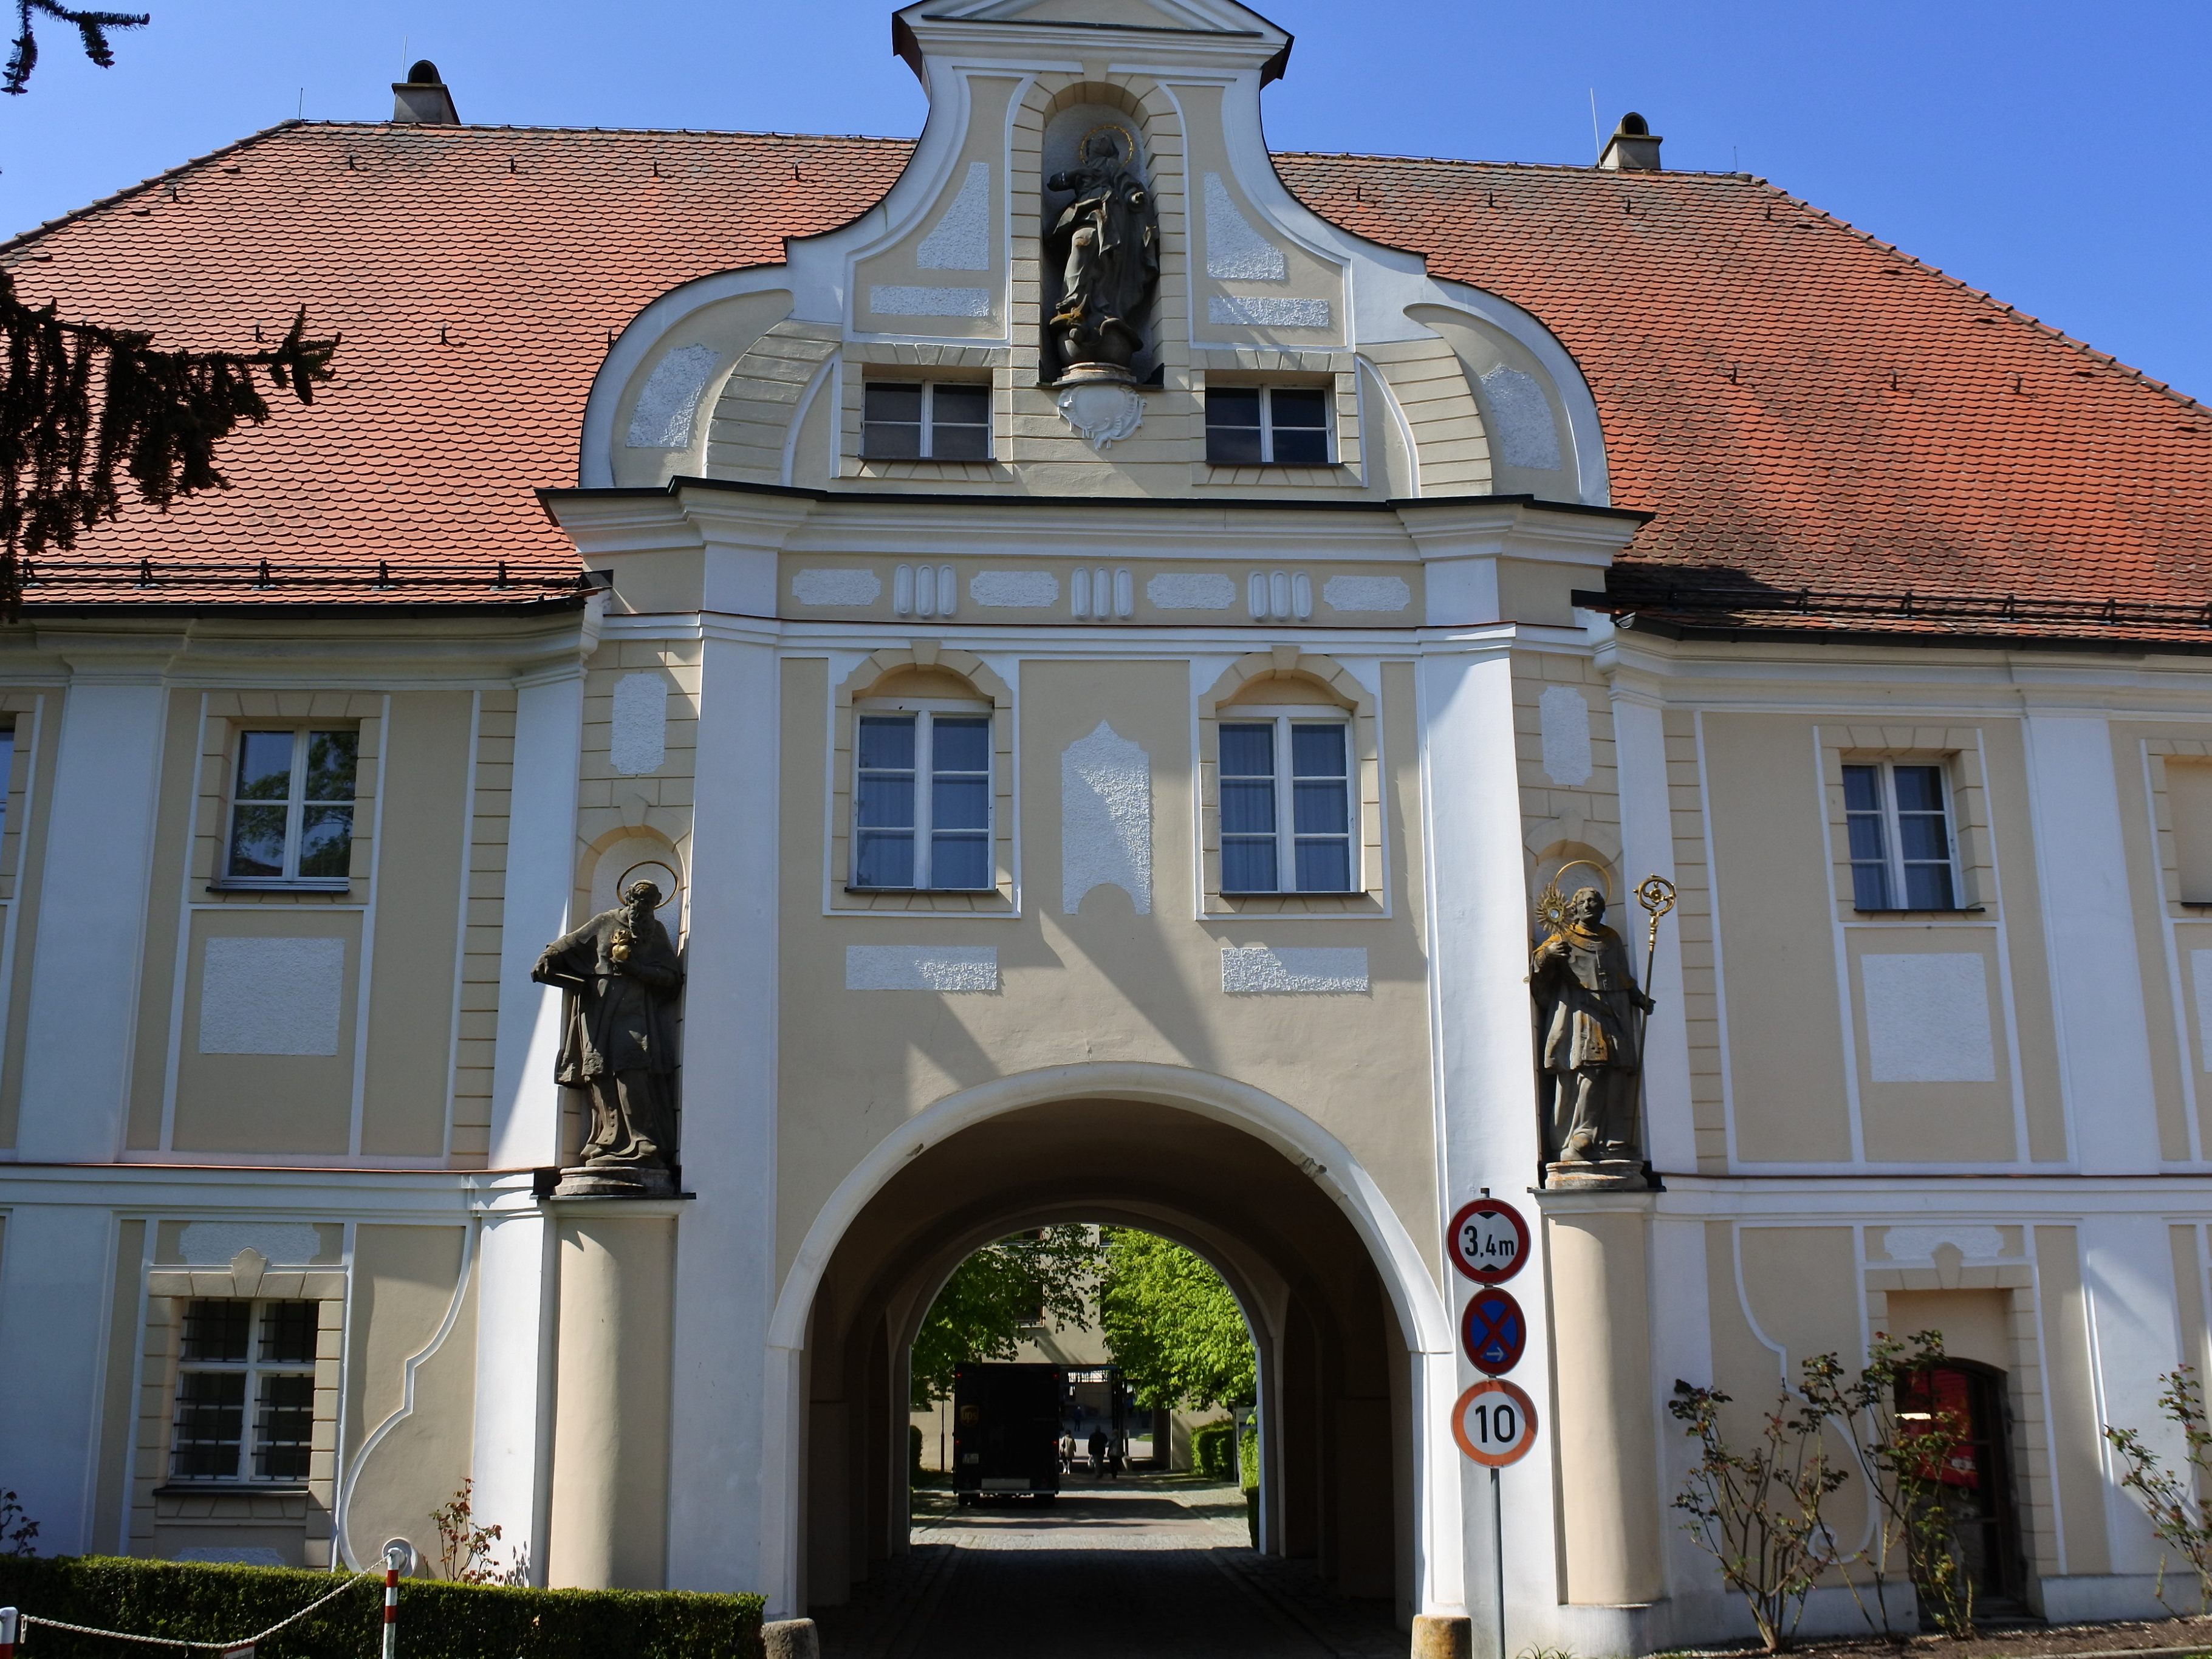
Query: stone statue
point(618, 1042)
point(1106, 242)
point(1590, 1050)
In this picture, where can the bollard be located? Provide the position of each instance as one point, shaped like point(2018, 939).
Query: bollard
point(398, 1558)
point(790, 1639)
point(1443, 1636)
point(9, 1617)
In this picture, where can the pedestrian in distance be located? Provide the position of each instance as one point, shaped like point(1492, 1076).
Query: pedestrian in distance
point(1097, 1453)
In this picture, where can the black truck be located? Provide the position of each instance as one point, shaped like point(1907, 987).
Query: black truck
point(1005, 1432)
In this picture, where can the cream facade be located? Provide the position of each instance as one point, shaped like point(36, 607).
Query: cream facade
point(335, 1091)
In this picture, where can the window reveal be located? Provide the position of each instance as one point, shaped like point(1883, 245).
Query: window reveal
point(1900, 832)
point(292, 800)
point(1267, 426)
point(1285, 829)
point(922, 806)
point(246, 1391)
point(925, 420)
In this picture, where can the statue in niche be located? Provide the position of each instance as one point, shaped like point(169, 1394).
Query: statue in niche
point(1107, 244)
point(1590, 1048)
point(621, 977)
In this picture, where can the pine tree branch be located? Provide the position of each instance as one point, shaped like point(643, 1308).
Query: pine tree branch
point(157, 420)
point(92, 28)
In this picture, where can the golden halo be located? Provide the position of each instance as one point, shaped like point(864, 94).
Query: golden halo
point(669, 888)
point(1128, 141)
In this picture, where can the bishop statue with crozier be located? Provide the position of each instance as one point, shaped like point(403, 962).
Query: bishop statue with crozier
point(1590, 1041)
point(621, 976)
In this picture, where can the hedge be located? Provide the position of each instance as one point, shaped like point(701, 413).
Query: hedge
point(437, 1620)
point(1209, 1450)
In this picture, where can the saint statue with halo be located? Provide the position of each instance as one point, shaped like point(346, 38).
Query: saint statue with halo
point(1107, 243)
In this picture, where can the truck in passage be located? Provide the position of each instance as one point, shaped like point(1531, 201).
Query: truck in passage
point(1005, 1432)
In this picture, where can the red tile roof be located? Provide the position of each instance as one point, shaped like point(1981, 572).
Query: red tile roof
point(1836, 436)
point(1809, 412)
point(475, 274)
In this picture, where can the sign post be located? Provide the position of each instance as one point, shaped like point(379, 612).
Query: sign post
point(1494, 1422)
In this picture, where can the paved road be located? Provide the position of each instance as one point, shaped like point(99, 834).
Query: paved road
point(1140, 1569)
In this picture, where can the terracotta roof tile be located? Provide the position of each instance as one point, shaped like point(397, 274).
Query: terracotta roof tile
point(1811, 414)
point(1822, 425)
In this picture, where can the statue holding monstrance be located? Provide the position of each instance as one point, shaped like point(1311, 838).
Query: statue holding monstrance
point(1106, 243)
point(620, 977)
point(1590, 1015)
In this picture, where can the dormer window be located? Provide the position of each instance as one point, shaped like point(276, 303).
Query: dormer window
point(925, 420)
point(1267, 426)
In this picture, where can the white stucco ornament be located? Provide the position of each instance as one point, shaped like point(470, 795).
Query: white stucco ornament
point(1103, 412)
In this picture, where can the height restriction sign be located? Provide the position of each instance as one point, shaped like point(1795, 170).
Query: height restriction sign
point(1488, 1241)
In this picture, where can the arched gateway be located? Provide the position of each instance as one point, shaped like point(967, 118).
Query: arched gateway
point(1354, 1343)
point(1085, 670)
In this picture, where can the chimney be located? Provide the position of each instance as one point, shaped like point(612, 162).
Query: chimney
point(421, 99)
point(1632, 148)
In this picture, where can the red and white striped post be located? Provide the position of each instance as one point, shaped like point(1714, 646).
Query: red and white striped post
point(9, 1620)
point(398, 1558)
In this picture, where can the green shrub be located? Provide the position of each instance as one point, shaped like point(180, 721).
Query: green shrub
point(437, 1620)
point(1247, 1456)
point(914, 1449)
point(1210, 1450)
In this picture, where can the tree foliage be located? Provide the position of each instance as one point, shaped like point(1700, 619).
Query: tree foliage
point(91, 27)
point(82, 404)
point(1045, 1277)
point(2180, 1517)
point(1172, 1325)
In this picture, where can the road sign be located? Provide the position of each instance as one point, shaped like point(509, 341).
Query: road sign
point(1488, 1241)
point(1492, 1331)
point(1494, 1423)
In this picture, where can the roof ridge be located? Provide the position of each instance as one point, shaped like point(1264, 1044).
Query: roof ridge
point(129, 190)
point(641, 132)
point(1579, 167)
point(2003, 308)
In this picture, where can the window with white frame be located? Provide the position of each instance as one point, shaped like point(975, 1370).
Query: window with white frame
point(1267, 426)
point(246, 1391)
point(1286, 802)
point(1898, 820)
point(925, 420)
point(291, 807)
point(921, 797)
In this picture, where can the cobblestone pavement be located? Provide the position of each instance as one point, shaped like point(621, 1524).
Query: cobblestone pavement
point(1140, 1569)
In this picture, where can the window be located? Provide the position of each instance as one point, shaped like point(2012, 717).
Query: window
point(291, 812)
point(246, 1391)
point(925, 420)
point(1285, 829)
point(1267, 426)
point(1900, 837)
point(2189, 808)
point(923, 807)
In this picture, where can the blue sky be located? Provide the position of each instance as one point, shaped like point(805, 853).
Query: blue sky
point(2052, 153)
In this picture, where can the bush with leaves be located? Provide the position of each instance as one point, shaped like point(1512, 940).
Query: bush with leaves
point(465, 1552)
point(996, 1293)
point(1172, 1325)
point(1902, 1456)
point(18, 1532)
point(2178, 1516)
point(1757, 1513)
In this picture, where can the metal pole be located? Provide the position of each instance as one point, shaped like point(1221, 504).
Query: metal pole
point(8, 1617)
point(397, 1554)
point(1497, 1556)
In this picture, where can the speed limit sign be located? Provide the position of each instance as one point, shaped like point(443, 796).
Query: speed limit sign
point(1488, 1241)
point(1494, 1423)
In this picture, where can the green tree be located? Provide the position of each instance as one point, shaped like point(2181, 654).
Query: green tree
point(1043, 1276)
point(81, 402)
point(1172, 1325)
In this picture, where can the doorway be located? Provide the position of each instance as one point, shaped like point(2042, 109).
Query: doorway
point(1976, 1479)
